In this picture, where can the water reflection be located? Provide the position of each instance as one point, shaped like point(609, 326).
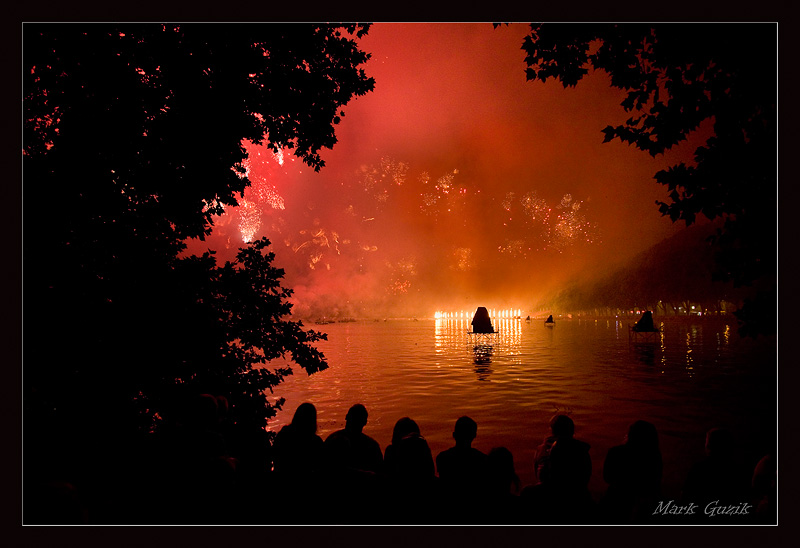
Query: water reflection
point(510, 331)
point(651, 348)
point(686, 348)
point(645, 352)
point(677, 347)
point(483, 360)
point(452, 336)
point(452, 333)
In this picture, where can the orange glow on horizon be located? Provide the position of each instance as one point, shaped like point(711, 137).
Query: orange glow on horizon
point(494, 313)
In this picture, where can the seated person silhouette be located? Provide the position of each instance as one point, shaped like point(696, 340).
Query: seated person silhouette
point(645, 323)
point(408, 457)
point(299, 457)
point(298, 448)
point(351, 448)
point(502, 488)
point(574, 452)
point(481, 322)
point(563, 467)
point(463, 469)
point(633, 473)
point(353, 460)
point(721, 476)
point(410, 475)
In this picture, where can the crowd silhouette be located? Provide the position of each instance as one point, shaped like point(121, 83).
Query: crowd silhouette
point(203, 469)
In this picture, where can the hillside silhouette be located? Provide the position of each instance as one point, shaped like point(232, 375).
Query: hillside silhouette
point(674, 273)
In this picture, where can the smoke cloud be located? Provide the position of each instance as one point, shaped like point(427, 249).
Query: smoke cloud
point(454, 184)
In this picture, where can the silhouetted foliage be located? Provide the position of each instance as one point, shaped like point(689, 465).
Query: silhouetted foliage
point(677, 76)
point(132, 142)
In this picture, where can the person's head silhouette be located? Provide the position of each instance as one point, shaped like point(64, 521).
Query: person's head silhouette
point(642, 435)
point(304, 420)
point(403, 428)
point(562, 426)
point(356, 418)
point(465, 431)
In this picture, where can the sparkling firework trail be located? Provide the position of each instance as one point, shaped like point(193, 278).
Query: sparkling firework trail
point(376, 181)
point(557, 228)
point(403, 273)
point(463, 259)
point(258, 168)
point(249, 219)
point(444, 196)
point(536, 208)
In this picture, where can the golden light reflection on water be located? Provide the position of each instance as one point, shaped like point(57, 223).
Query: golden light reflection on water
point(689, 360)
point(453, 335)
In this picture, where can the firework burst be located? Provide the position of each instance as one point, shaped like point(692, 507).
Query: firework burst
point(260, 167)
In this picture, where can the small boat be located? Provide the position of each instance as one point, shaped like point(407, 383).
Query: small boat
point(550, 322)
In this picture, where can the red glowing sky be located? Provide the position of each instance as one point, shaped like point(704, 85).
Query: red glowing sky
point(434, 194)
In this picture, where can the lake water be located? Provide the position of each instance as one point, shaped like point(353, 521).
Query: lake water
point(695, 375)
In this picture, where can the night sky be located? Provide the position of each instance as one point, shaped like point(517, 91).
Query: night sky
point(454, 183)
